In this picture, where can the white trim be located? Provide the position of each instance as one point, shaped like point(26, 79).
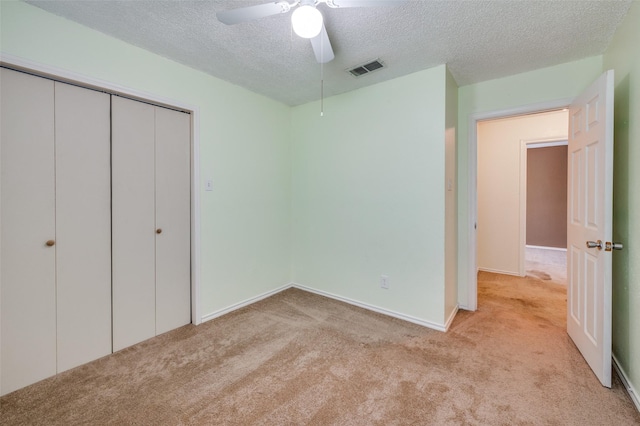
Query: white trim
point(63, 75)
point(247, 302)
point(383, 311)
point(472, 176)
point(546, 248)
point(408, 318)
point(472, 213)
point(635, 396)
point(522, 206)
point(67, 76)
point(195, 217)
point(499, 271)
point(452, 316)
point(535, 144)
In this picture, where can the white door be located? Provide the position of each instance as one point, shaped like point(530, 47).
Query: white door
point(27, 224)
point(133, 220)
point(173, 219)
point(590, 200)
point(83, 224)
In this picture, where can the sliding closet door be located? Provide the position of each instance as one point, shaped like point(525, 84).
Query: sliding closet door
point(83, 224)
point(173, 222)
point(133, 221)
point(27, 228)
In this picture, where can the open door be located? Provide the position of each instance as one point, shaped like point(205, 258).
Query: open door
point(589, 226)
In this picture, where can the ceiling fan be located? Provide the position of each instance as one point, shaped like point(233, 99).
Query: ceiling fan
point(306, 19)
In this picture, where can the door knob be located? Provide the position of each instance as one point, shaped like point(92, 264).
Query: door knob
point(613, 246)
point(159, 231)
point(595, 244)
point(50, 243)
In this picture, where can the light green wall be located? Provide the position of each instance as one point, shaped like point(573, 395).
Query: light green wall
point(368, 194)
point(244, 147)
point(623, 56)
point(559, 82)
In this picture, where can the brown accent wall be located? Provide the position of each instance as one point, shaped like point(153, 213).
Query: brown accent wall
point(547, 196)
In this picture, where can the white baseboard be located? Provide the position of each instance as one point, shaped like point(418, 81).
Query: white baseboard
point(498, 271)
point(635, 397)
point(244, 303)
point(451, 318)
point(546, 248)
point(409, 318)
point(404, 317)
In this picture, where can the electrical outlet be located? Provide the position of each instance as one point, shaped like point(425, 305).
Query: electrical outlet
point(384, 282)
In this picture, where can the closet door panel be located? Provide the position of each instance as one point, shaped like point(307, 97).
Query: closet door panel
point(133, 219)
point(83, 224)
point(173, 215)
point(27, 222)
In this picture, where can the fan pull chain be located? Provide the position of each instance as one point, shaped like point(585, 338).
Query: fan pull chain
point(290, 38)
point(322, 87)
point(321, 98)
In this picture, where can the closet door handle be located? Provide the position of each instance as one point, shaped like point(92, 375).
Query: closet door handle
point(50, 243)
point(159, 231)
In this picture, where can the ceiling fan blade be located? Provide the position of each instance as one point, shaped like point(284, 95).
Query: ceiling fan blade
point(366, 3)
point(322, 47)
point(244, 14)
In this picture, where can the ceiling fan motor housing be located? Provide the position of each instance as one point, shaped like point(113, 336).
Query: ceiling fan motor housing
point(307, 21)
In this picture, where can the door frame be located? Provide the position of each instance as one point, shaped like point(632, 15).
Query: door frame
point(65, 76)
point(472, 180)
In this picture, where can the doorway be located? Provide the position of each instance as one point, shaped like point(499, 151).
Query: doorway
point(507, 221)
point(473, 219)
point(590, 206)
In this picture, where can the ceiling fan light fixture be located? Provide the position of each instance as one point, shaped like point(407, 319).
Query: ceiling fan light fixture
point(306, 21)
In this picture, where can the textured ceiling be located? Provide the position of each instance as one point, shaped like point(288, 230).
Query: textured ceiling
point(479, 40)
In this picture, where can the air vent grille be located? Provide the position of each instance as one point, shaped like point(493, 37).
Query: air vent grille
point(363, 69)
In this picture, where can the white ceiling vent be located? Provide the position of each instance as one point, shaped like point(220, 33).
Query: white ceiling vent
point(363, 69)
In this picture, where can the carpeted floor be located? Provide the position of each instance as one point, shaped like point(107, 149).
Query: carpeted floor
point(546, 264)
point(298, 358)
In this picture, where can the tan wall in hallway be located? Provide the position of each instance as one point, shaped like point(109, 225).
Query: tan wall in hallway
point(547, 196)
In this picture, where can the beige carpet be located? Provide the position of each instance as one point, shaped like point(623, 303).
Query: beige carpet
point(298, 358)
